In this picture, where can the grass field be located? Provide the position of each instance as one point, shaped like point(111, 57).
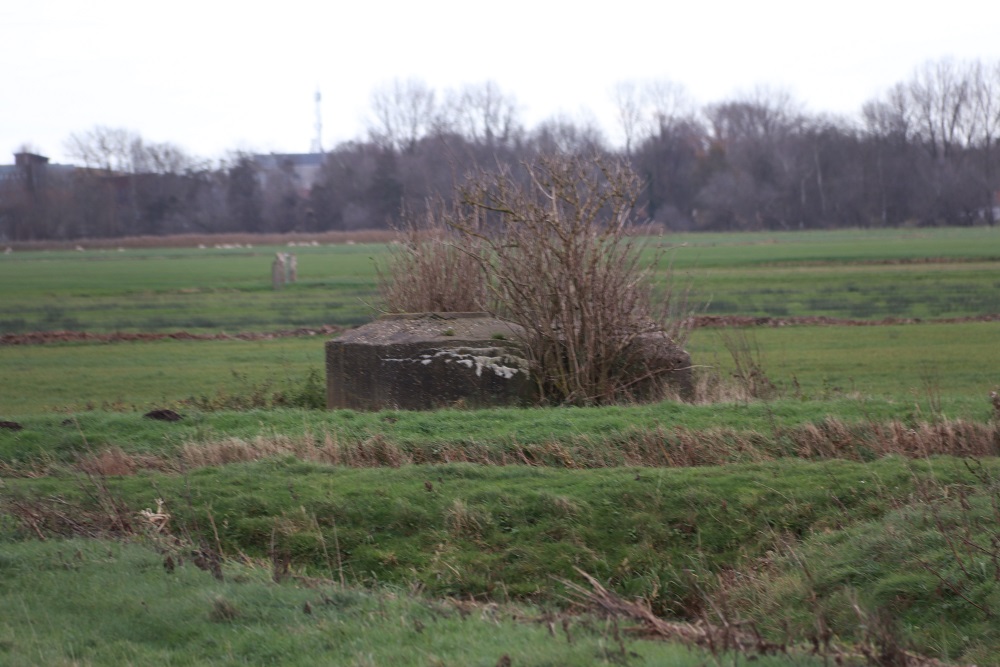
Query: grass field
point(190, 618)
point(902, 364)
point(945, 273)
point(852, 508)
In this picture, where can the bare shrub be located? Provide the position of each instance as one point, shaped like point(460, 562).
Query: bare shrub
point(748, 363)
point(553, 250)
point(557, 245)
point(433, 269)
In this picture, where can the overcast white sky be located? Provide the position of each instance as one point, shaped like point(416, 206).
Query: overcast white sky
point(218, 75)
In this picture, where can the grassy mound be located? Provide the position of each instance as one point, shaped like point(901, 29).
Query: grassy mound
point(790, 544)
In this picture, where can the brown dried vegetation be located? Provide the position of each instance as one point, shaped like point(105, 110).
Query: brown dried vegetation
point(720, 633)
point(664, 446)
point(551, 248)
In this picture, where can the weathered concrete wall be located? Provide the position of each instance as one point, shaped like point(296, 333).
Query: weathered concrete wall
point(425, 361)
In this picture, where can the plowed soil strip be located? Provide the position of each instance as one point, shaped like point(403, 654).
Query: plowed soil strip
point(698, 322)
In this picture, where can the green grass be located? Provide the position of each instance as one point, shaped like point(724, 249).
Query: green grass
point(833, 247)
point(582, 437)
point(840, 274)
point(856, 274)
point(138, 375)
point(184, 289)
point(925, 566)
point(900, 363)
point(863, 292)
point(471, 530)
point(953, 363)
point(106, 603)
point(505, 532)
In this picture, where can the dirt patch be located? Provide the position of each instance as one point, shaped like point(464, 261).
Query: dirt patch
point(707, 321)
point(698, 322)
point(44, 337)
point(163, 415)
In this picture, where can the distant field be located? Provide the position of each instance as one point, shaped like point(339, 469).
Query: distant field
point(184, 289)
point(849, 274)
point(844, 274)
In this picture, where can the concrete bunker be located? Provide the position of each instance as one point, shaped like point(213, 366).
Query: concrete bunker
point(426, 361)
point(431, 360)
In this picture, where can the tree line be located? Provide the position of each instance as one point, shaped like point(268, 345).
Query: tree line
point(923, 152)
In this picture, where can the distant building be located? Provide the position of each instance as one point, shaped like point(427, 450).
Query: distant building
point(29, 175)
point(31, 171)
point(26, 189)
point(302, 168)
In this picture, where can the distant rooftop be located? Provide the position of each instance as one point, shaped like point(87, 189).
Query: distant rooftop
point(296, 159)
point(24, 160)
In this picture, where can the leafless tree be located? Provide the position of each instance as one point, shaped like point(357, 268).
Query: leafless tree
point(629, 107)
point(889, 115)
point(758, 135)
point(761, 114)
point(650, 108)
point(562, 134)
point(940, 94)
point(985, 92)
point(402, 113)
point(888, 127)
point(106, 148)
point(667, 103)
point(483, 114)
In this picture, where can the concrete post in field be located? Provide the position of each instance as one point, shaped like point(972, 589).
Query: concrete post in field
point(293, 267)
point(278, 271)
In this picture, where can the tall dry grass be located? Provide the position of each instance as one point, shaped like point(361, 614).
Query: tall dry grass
point(434, 269)
point(660, 447)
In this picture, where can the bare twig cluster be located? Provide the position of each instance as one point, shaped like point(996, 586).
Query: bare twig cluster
point(720, 633)
point(557, 255)
point(721, 636)
point(434, 269)
point(971, 535)
point(748, 366)
point(564, 266)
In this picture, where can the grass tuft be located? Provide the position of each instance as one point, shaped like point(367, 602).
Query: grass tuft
point(223, 611)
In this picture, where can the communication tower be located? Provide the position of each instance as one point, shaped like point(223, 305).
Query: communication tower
point(317, 142)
